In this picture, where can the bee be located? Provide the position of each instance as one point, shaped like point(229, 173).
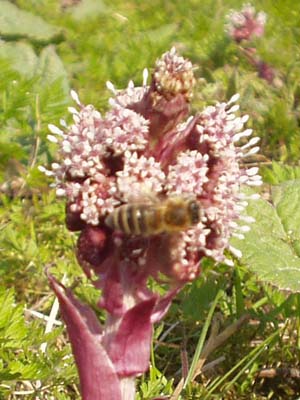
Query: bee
point(174, 214)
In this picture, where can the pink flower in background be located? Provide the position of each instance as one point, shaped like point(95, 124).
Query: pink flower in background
point(245, 24)
point(152, 192)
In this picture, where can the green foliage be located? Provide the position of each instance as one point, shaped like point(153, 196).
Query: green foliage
point(45, 50)
point(279, 173)
point(88, 9)
point(16, 23)
point(21, 56)
point(20, 353)
point(271, 247)
point(156, 385)
point(198, 298)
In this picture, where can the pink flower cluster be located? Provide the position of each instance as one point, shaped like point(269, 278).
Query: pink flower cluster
point(245, 24)
point(242, 26)
point(145, 151)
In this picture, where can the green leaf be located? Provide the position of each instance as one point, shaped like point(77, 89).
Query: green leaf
point(51, 68)
point(286, 198)
point(89, 9)
point(48, 66)
point(21, 56)
point(200, 295)
point(162, 33)
point(271, 248)
point(17, 23)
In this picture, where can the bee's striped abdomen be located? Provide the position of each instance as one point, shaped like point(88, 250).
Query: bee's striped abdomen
point(141, 219)
point(121, 220)
point(132, 219)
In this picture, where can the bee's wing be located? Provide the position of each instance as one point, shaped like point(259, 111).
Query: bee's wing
point(145, 196)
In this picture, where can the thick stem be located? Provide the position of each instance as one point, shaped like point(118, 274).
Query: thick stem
point(128, 388)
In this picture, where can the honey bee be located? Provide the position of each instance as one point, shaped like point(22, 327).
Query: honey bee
point(174, 214)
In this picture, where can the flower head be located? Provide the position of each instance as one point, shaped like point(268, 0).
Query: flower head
point(173, 75)
point(245, 24)
point(152, 194)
